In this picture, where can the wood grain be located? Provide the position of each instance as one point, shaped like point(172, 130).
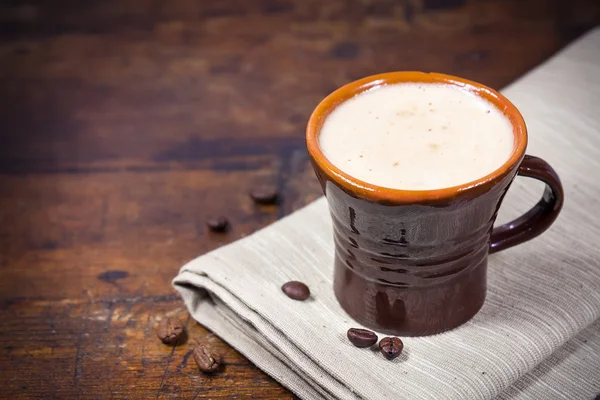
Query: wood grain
point(125, 124)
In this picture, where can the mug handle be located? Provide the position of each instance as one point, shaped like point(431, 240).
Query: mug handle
point(541, 216)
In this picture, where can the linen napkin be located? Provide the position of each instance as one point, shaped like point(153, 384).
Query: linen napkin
point(538, 334)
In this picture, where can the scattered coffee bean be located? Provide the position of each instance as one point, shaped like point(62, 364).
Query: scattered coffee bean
point(170, 331)
point(206, 361)
point(217, 224)
point(264, 195)
point(296, 290)
point(362, 337)
point(391, 347)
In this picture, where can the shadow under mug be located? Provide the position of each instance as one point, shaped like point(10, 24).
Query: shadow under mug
point(414, 262)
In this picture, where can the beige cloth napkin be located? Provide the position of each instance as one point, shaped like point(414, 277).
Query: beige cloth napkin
point(538, 334)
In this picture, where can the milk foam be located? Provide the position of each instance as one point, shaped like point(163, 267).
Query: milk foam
point(415, 136)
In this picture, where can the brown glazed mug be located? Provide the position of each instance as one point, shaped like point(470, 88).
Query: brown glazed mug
point(414, 262)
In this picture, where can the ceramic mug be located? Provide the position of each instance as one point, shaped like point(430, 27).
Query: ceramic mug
point(414, 262)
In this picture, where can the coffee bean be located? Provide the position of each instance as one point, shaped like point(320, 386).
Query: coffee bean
point(391, 347)
point(296, 290)
point(217, 224)
point(206, 361)
point(361, 337)
point(264, 195)
point(170, 331)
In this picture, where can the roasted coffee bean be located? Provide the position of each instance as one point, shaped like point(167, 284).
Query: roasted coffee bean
point(296, 290)
point(170, 331)
point(391, 347)
point(206, 361)
point(361, 337)
point(217, 224)
point(264, 195)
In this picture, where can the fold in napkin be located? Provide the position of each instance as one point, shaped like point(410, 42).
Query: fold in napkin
point(538, 334)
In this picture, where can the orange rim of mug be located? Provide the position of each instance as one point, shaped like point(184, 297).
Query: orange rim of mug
point(383, 194)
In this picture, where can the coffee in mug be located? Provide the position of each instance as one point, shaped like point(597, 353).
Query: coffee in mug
point(417, 136)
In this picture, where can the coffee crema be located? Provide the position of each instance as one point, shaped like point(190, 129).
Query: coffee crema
point(417, 136)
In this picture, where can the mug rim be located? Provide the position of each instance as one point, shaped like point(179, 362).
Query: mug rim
point(390, 195)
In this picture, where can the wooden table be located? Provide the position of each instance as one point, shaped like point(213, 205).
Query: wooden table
point(125, 123)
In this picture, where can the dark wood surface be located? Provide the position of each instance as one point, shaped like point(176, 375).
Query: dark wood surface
point(126, 123)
